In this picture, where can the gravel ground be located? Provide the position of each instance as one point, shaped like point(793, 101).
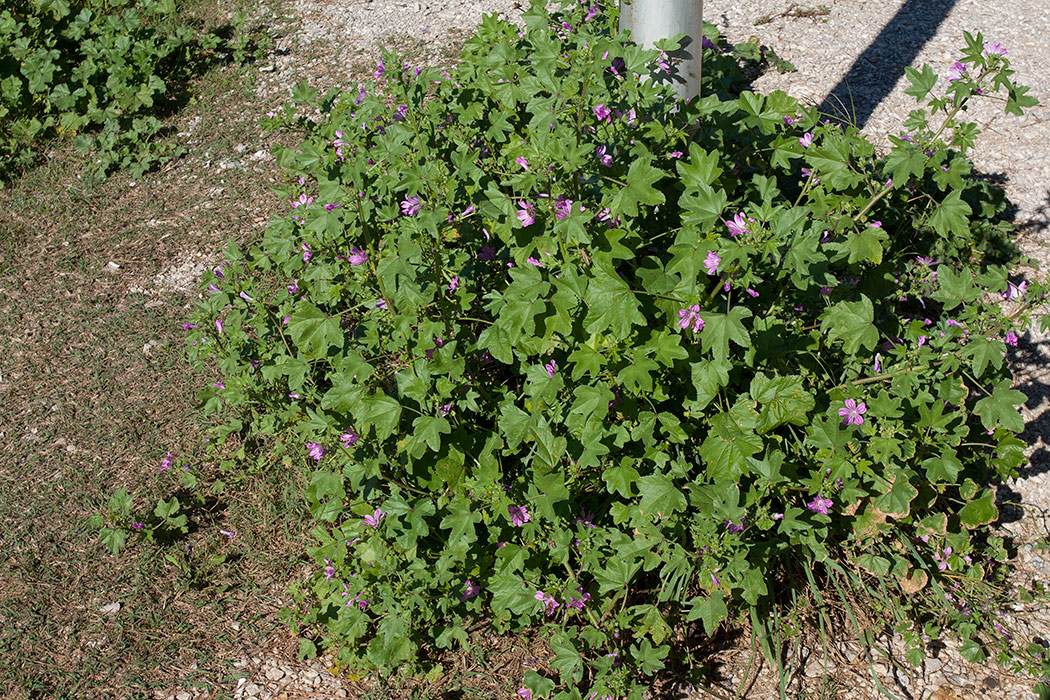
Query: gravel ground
point(848, 53)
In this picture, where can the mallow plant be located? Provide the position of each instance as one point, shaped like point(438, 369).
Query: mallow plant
point(552, 351)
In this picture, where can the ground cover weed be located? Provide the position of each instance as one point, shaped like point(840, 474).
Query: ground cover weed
point(103, 73)
point(551, 350)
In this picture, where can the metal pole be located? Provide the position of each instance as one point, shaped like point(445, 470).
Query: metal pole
point(652, 20)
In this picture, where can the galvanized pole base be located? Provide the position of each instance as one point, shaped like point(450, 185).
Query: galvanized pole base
point(652, 20)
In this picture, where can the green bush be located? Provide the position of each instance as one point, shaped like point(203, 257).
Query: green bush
point(558, 351)
point(101, 71)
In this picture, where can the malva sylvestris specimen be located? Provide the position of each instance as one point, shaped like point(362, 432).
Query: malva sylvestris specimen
point(625, 380)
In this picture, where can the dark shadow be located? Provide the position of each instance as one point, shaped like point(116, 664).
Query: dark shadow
point(1039, 223)
point(1012, 507)
point(1032, 353)
point(874, 74)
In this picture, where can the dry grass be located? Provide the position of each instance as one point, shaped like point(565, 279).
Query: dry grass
point(87, 410)
point(97, 390)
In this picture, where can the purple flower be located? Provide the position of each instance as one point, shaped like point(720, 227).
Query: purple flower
point(706, 43)
point(218, 325)
point(820, 505)
point(602, 112)
point(293, 288)
point(381, 304)
point(586, 519)
point(470, 591)
point(520, 160)
point(454, 284)
point(1010, 339)
point(410, 206)
point(562, 207)
point(549, 604)
point(875, 224)
point(525, 693)
point(380, 69)
point(714, 580)
point(330, 207)
point(603, 156)
point(138, 526)
point(738, 225)
point(806, 139)
point(165, 464)
point(752, 293)
point(228, 533)
point(349, 438)
point(357, 257)
point(956, 72)
point(552, 368)
point(676, 154)
point(1015, 291)
point(303, 200)
point(711, 262)
point(534, 261)
point(329, 570)
point(307, 253)
point(527, 214)
point(315, 450)
point(878, 363)
point(733, 527)
point(942, 559)
point(487, 252)
point(691, 317)
point(374, 519)
point(578, 603)
point(852, 413)
point(188, 326)
point(468, 211)
point(519, 515)
point(664, 63)
point(994, 49)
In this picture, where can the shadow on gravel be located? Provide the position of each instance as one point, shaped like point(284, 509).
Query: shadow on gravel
point(1034, 354)
point(874, 74)
point(1040, 223)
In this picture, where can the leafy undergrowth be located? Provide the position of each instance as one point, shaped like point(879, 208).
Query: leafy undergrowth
point(104, 74)
point(86, 412)
point(557, 354)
